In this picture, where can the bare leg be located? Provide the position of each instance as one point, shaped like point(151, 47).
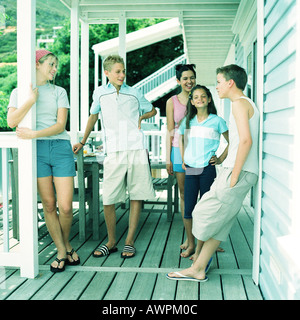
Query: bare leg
point(197, 251)
point(47, 194)
point(180, 176)
point(64, 190)
point(191, 239)
point(110, 221)
point(197, 270)
point(134, 217)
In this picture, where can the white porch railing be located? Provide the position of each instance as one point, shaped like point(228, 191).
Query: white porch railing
point(160, 76)
point(26, 254)
point(155, 142)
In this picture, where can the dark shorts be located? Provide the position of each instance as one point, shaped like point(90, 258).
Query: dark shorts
point(55, 158)
point(197, 180)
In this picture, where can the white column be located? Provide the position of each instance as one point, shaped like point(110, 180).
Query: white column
point(122, 36)
point(26, 17)
point(74, 74)
point(96, 74)
point(84, 108)
point(103, 76)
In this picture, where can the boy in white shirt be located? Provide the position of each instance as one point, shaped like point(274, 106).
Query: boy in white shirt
point(126, 165)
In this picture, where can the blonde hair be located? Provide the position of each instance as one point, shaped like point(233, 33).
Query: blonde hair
point(111, 60)
point(44, 58)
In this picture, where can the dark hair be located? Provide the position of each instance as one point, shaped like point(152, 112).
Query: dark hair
point(180, 68)
point(191, 110)
point(236, 73)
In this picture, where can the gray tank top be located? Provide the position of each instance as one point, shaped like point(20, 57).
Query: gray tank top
point(251, 164)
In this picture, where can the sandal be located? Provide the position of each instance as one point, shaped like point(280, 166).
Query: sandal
point(128, 249)
point(74, 262)
point(104, 250)
point(57, 269)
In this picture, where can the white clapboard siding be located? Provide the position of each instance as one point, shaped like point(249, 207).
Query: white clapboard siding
point(278, 146)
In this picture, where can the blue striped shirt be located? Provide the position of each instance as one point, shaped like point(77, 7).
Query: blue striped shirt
point(202, 140)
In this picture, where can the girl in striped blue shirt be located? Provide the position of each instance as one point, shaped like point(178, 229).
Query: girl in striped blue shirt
point(200, 133)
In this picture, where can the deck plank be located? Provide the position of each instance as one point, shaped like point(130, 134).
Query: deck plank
point(76, 286)
point(253, 292)
point(142, 288)
point(120, 288)
point(211, 290)
point(30, 287)
point(164, 288)
point(53, 287)
point(233, 288)
point(144, 276)
point(98, 286)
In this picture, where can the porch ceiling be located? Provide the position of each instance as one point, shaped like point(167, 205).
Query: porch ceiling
point(206, 25)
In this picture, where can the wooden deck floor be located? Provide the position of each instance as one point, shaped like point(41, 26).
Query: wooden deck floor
point(143, 277)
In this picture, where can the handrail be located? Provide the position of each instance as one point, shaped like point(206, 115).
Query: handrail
point(160, 76)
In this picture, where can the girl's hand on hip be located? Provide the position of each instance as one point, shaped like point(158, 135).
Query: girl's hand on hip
point(214, 161)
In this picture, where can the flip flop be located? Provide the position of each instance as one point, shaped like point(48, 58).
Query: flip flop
point(105, 251)
point(181, 277)
point(128, 249)
point(57, 269)
point(74, 262)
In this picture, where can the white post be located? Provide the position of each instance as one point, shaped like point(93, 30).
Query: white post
point(26, 17)
point(5, 199)
point(84, 114)
point(103, 76)
point(260, 104)
point(74, 74)
point(96, 75)
point(122, 36)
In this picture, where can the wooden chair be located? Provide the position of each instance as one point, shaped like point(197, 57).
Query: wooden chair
point(169, 184)
point(82, 193)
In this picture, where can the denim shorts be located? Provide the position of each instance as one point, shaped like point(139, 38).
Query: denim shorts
point(55, 158)
point(176, 160)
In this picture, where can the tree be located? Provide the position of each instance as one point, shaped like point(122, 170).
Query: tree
point(140, 63)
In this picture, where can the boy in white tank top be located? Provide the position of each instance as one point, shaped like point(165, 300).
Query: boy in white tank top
point(215, 213)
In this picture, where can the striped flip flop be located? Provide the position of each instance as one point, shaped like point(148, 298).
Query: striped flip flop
point(105, 251)
point(128, 249)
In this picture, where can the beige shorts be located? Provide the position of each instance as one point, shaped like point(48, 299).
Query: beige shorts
point(215, 213)
point(127, 170)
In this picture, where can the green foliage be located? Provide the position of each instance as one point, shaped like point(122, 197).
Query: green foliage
point(8, 79)
point(3, 112)
point(140, 63)
point(50, 13)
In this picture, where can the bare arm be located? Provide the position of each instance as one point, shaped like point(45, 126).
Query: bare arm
point(89, 127)
point(147, 115)
point(218, 160)
point(16, 115)
point(240, 110)
point(181, 148)
point(58, 127)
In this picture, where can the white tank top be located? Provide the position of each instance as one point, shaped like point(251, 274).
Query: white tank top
point(251, 164)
